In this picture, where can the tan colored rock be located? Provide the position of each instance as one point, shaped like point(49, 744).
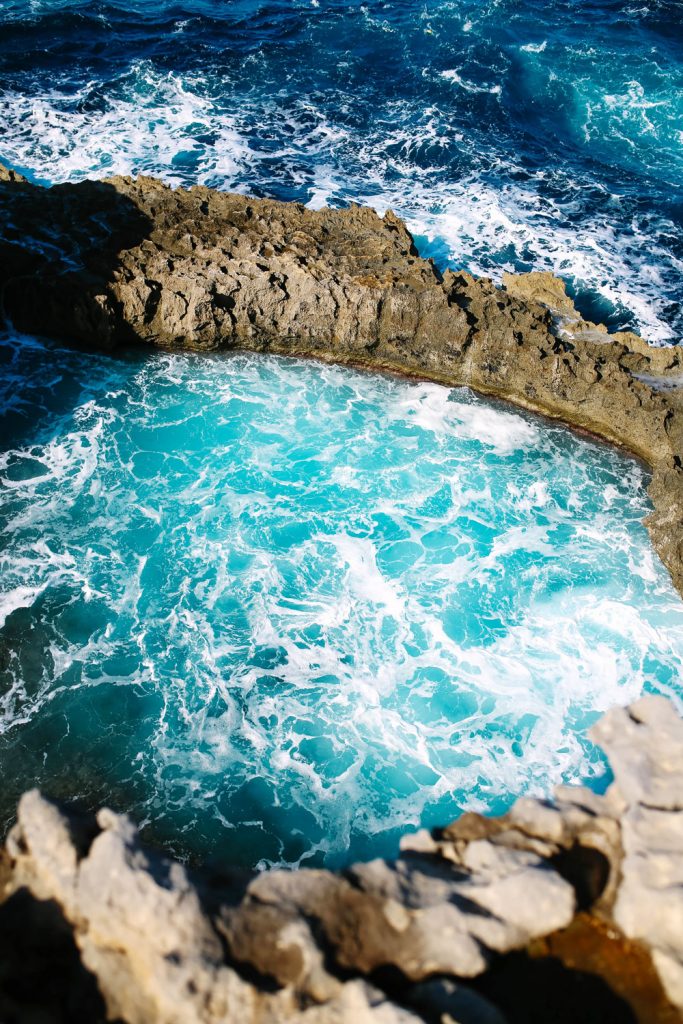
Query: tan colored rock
point(136, 918)
point(542, 287)
point(159, 957)
point(7, 174)
point(120, 261)
point(645, 747)
point(310, 946)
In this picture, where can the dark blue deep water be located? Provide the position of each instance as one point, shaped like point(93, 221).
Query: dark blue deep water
point(535, 134)
point(281, 613)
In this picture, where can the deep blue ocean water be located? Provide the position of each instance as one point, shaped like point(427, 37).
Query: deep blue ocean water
point(282, 612)
point(518, 134)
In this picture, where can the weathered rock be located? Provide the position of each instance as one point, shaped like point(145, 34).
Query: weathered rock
point(143, 933)
point(136, 918)
point(109, 263)
point(419, 915)
point(645, 747)
point(389, 942)
point(7, 174)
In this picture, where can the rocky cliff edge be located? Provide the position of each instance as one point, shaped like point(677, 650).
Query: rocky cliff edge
point(558, 911)
point(109, 263)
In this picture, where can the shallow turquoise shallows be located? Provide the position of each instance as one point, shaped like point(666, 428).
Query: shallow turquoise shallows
point(283, 612)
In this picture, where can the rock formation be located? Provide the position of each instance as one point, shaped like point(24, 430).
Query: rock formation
point(121, 261)
point(591, 882)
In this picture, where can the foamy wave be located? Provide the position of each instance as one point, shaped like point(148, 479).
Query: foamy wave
point(431, 407)
point(417, 613)
point(455, 77)
point(151, 124)
point(182, 128)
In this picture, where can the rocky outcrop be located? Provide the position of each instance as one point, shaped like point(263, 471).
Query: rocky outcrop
point(463, 926)
point(646, 752)
point(110, 263)
point(7, 174)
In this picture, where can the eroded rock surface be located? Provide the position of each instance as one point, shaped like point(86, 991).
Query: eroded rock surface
point(109, 263)
point(645, 746)
point(387, 942)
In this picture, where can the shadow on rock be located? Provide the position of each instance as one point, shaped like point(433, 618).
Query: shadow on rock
point(42, 979)
point(59, 251)
point(545, 991)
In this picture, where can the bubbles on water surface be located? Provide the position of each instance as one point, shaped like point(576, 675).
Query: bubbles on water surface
point(283, 612)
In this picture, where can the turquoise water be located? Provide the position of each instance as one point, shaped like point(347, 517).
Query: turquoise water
point(282, 612)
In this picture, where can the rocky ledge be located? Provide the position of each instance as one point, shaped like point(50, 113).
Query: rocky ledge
point(559, 911)
point(108, 263)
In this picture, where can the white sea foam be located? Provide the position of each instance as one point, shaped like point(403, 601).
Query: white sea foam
point(455, 77)
point(159, 122)
point(17, 597)
point(377, 646)
point(150, 124)
point(430, 407)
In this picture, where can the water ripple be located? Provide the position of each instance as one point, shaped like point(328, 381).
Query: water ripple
point(283, 611)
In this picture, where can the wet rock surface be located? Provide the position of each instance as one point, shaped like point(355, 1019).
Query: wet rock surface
point(106, 264)
point(557, 911)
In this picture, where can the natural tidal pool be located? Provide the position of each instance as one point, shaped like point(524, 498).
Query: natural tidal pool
point(284, 612)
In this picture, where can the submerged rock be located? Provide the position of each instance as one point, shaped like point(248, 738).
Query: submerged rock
point(119, 261)
point(596, 880)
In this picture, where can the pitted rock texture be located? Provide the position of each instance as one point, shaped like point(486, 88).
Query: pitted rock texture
point(110, 263)
point(388, 942)
point(646, 751)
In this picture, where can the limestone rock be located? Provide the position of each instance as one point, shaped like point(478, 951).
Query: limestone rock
point(166, 946)
point(542, 287)
point(645, 747)
point(7, 174)
point(136, 918)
